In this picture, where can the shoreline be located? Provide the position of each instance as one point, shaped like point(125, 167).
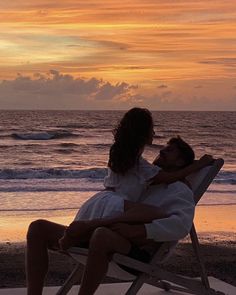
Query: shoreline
point(217, 249)
point(13, 228)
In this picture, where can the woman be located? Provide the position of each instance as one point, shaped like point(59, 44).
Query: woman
point(128, 176)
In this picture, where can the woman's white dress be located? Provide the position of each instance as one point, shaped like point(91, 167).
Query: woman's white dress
point(129, 186)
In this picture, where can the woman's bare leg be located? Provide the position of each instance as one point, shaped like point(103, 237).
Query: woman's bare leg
point(42, 235)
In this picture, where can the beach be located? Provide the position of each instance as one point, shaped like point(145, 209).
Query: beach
point(52, 161)
point(218, 251)
point(216, 226)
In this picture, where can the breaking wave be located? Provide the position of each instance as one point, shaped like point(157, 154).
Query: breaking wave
point(37, 173)
point(47, 135)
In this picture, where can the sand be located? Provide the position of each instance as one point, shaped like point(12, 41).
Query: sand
point(217, 248)
point(216, 226)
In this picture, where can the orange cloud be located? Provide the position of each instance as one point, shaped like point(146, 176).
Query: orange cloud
point(140, 42)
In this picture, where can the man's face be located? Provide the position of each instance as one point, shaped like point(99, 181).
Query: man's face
point(169, 157)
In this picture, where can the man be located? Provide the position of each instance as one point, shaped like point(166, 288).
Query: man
point(126, 233)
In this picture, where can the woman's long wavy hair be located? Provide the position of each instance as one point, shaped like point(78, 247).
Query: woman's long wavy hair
point(130, 136)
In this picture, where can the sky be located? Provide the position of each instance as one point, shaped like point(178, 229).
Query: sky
point(74, 54)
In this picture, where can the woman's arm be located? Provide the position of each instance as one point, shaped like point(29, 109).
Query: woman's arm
point(170, 177)
point(134, 213)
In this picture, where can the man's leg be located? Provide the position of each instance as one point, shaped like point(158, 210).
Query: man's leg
point(42, 234)
point(103, 244)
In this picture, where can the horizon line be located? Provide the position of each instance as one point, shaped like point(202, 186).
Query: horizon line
point(116, 110)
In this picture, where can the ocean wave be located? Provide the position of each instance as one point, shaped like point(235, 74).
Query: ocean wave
point(77, 125)
point(68, 144)
point(38, 209)
point(56, 188)
point(3, 136)
point(158, 136)
point(218, 204)
point(226, 177)
point(64, 151)
point(217, 191)
point(171, 131)
point(46, 135)
point(225, 181)
point(37, 173)
point(100, 145)
point(155, 146)
point(206, 126)
point(78, 207)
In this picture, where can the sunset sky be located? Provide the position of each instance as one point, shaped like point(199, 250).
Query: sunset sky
point(73, 54)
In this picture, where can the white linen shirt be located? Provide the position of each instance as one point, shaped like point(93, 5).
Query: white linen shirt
point(176, 200)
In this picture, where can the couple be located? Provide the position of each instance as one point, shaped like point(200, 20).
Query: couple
point(142, 205)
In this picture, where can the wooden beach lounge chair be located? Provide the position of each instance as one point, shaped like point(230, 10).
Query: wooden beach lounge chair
point(153, 273)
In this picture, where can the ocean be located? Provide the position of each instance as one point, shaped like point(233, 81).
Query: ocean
point(52, 161)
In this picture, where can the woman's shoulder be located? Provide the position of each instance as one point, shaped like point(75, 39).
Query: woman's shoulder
point(146, 169)
point(112, 179)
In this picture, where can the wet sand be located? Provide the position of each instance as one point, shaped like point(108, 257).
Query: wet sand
point(207, 219)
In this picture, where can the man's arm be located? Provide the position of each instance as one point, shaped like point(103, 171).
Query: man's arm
point(170, 177)
point(179, 222)
point(135, 213)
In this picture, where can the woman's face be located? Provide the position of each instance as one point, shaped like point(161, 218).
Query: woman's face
point(150, 135)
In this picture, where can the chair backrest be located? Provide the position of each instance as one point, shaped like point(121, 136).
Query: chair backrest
point(201, 180)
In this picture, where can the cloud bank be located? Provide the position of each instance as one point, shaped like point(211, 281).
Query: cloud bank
point(56, 90)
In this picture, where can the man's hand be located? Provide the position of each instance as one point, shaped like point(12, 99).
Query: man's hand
point(205, 160)
point(133, 233)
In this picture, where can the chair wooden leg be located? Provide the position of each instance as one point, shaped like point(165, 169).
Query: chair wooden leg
point(196, 248)
point(136, 285)
point(74, 277)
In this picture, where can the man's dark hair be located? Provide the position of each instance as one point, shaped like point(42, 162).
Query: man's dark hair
point(185, 149)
